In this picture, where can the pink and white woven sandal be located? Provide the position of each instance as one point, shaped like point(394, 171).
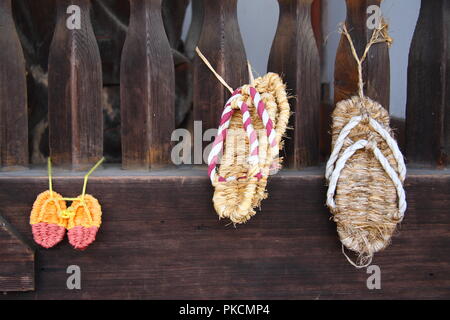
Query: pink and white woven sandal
point(250, 141)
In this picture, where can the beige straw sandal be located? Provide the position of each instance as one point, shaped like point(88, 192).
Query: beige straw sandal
point(365, 172)
point(250, 141)
point(241, 180)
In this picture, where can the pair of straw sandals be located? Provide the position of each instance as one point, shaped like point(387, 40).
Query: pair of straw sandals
point(365, 172)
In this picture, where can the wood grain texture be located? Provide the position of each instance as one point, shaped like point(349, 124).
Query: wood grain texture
point(17, 260)
point(161, 239)
point(13, 94)
point(147, 88)
point(295, 56)
point(428, 103)
point(74, 93)
point(221, 43)
point(376, 68)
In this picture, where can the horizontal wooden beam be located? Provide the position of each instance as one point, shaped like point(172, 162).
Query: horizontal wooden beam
point(161, 239)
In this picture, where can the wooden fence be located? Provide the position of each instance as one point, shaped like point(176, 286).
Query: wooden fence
point(160, 237)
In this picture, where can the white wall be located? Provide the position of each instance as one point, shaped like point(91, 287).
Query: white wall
point(258, 20)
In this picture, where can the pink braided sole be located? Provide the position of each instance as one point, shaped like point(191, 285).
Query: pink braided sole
point(47, 234)
point(81, 237)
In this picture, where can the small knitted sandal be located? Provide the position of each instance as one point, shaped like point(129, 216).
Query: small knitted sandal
point(251, 141)
point(50, 216)
point(47, 224)
point(365, 174)
point(85, 215)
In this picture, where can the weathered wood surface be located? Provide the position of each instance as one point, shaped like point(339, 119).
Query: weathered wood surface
point(295, 55)
point(161, 239)
point(16, 260)
point(74, 91)
point(147, 89)
point(221, 43)
point(376, 68)
point(13, 94)
point(428, 104)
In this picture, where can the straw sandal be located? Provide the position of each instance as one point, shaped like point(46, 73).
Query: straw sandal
point(365, 173)
point(251, 140)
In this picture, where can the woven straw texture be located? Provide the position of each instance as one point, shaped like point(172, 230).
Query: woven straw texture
point(238, 199)
point(366, 211)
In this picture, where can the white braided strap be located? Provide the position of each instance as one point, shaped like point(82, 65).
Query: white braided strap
point(401, 167)
point(398, 156)
point(339, 143)
point(347, 154)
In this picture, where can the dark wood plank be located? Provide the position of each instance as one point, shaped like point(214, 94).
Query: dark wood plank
point(295, 55)
point(13, 94)
point(17, 260)
point(74, 93)
point(147, 89)
point(428, 103)
point(376, 69)
point(222, 45)
point(161, 239)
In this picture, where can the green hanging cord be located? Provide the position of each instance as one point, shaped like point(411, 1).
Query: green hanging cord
point(88, 174)
point(49, 170)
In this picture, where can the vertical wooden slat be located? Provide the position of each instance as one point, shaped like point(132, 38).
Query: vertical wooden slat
point(428, 104)
point(376, 69)
point(75, 84)
point(220, 41)
point(147, 89)
point(295, 55)
point(13, 94)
